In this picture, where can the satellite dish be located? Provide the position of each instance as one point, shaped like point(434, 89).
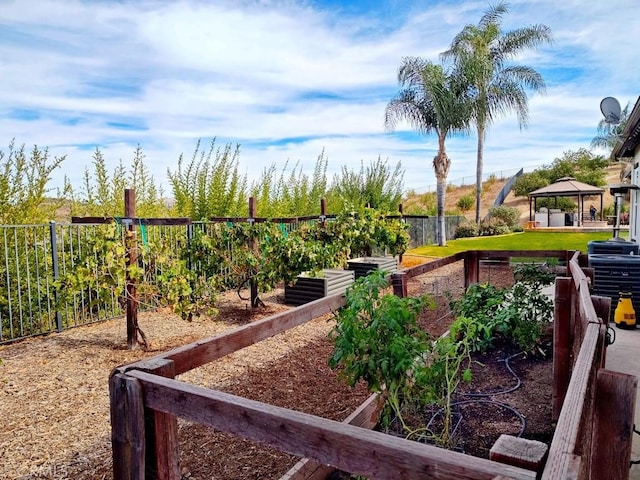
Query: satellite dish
point(610, 108)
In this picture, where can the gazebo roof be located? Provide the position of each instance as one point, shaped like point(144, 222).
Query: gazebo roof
point(567, 187)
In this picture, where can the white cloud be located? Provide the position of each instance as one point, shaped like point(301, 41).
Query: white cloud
point(286, 80)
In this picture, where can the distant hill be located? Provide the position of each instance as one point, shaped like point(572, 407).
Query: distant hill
point(490, 191)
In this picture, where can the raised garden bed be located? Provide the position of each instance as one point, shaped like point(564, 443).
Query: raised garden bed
point(134, 392)
point(308, 287)
point(364, 265)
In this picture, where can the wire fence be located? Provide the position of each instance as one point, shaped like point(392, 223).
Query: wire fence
point(34, 259)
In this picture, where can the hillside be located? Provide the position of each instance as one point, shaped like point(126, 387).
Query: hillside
point(490, 191)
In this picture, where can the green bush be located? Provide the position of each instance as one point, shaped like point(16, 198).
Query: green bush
point(509, 215)
point(493, 226)
point(529, 182)
point(563, 203)
point(466, 230)
point(465, 203)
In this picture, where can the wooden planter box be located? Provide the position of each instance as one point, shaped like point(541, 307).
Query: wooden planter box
point(365, 265)
point(307, 288)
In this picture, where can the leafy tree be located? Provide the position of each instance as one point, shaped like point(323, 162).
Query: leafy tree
point(23, 185)
point(103, 193)
point(210, 184)
point(431, 99)
point(376, 185)
point(290, 194)
point(608, 135)
point(528, 182)
point(482, 55)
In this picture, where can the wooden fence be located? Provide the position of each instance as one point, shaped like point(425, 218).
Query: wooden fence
point(146, 401)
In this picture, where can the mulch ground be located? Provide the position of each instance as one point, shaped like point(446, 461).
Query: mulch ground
point(54, 393)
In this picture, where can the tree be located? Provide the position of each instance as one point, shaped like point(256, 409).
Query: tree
point(608, 135)
point(431, 99)
point(481, 54)
point(377, 185)
point(210, 184)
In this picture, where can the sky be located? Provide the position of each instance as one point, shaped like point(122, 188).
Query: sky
point(288, 80)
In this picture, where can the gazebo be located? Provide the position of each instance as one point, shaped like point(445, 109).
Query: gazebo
point(565, 187)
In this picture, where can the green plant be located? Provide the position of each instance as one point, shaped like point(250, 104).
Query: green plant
point(377, 340)
point(493, 226)
point(528, 182)
point(376, 186)
point(485, 312)
point(466, 229)
point(509, 215)
point(536, 274)
point(210, 184)
point(465, 203)
point(562, 203)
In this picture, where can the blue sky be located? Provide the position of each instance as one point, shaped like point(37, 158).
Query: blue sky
point(287, 79)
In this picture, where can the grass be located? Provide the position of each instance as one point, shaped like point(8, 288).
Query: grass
point(514, 241)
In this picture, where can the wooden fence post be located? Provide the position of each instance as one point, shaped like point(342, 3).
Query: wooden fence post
point(561, 344)
point(127, 428)
point(162, 453)
point(132, 258)
point(615, 401)
point(602, 306)
point(399, 283)
point(471, 268)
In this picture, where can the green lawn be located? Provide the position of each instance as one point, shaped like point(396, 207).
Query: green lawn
point(514, 241)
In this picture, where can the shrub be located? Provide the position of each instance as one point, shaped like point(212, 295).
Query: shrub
point(563, 203)
point(509, 215)
point(529, 182)
point(493, 226)
point(466, 230)
point(465, 203)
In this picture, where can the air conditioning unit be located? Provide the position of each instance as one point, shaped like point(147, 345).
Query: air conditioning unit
point(612, 247)
point(614, 274)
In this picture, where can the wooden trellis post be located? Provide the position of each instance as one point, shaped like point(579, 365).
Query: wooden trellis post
point(132, 259)
point(130, 221)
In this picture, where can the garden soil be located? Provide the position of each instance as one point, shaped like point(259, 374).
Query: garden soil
point(54, 402)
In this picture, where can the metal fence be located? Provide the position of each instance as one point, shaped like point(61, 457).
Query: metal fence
point(423, 230)
point(34, 258)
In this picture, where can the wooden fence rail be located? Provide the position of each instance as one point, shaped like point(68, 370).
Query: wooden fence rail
point(146, 401)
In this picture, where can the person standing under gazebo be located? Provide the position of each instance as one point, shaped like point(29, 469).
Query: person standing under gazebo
point(592, 213)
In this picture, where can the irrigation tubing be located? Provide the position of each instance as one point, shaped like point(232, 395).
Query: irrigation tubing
point(520, 416)
point(501, 392)
point(478, 398)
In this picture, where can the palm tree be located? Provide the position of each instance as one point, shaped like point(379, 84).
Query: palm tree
point(431, 100)
point(481, 53)
point(608, 135)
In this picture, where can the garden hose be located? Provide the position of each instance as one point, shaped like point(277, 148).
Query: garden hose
point(502, 392)
point(610, 337)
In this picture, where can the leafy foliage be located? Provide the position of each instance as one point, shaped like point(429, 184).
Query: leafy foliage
point(374, 186)
point(209, 185)
point(467, 230)
point(23, 185)
point(528, 182)
point(563, 203)
point(509, 215)
point(493, 226)
point(486, 313)
point(377, 340)
point(465, 203)
point(581, 164)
